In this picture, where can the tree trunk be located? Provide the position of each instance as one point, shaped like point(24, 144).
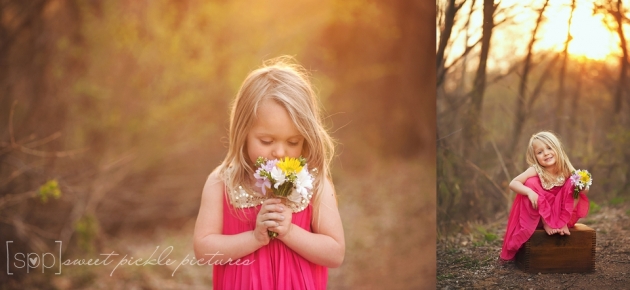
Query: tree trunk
point(560, 96)
point(522, 109)
point(623, 61)
point(445, 35)
point(472, 122)
point(462, 84)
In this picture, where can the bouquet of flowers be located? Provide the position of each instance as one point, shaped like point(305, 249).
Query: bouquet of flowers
point(286, 178)
point(582, 180)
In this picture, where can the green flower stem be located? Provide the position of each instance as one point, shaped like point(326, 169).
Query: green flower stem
point(283, 190)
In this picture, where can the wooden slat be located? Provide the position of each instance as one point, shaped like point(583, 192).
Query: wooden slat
point(559, 254)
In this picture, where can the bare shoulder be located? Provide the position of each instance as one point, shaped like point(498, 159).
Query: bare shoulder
point(329, 190)
point(211, 208)
point(328, 199)
point(326, 218)
point(214, 181)
point(526, 174)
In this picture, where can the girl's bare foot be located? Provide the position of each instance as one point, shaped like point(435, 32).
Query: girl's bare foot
point(549, 230)
point(564, 231)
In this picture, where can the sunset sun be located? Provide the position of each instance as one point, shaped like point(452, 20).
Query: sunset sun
point(591, 38)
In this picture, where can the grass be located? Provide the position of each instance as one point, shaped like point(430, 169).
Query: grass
point(594, 208)
point(616, 201)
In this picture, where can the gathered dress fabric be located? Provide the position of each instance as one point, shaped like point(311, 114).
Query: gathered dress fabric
point(273, 266)
point(555, 207)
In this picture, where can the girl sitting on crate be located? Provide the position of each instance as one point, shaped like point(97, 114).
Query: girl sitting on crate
point(545, 195)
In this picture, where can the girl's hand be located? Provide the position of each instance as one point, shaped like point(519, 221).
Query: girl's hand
point(533, 197)
point(269, 217)
point(285, 225)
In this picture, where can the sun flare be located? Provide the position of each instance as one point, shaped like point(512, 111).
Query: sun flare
point(591, 38)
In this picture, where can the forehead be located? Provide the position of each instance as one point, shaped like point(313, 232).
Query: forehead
point(273, 119)
point(539, 144)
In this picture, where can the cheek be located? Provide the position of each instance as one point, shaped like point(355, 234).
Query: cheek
point(253, 151)
point(298, 151)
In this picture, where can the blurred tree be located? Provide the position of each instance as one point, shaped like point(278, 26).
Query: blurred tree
point(33, 115)
point(446, 21)
point(561, 93)
point(526, 98)
point(615, 10)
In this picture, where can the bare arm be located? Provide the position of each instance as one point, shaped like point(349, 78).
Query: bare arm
point(518, 185)
point(326, 244)
point(208, 238)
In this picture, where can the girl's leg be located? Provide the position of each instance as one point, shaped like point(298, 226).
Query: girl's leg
point(548, 229)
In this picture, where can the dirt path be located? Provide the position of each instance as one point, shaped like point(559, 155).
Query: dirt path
point(470, 261)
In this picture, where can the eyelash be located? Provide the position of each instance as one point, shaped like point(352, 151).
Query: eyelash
point(269, 143)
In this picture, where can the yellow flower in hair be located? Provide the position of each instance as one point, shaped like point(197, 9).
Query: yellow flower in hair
point(290, 165)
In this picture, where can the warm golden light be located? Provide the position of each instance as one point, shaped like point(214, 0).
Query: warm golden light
point(591, 38)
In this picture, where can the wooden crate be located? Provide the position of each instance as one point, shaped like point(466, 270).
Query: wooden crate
point(543, 253)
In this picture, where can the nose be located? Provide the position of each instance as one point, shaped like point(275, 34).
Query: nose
point(278, 152)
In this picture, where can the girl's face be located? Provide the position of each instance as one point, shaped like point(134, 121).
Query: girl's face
point(545, 155)
point(273, 134)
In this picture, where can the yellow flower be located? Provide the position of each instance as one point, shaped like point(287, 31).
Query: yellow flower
point(584, 176)
point(289, 165)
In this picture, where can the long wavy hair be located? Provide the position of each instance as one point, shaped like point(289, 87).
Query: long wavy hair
point(287, 83)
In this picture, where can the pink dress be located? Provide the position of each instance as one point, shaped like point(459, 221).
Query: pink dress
point(274, 266)
point(555, 206)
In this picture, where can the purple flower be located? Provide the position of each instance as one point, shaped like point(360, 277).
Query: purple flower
point(262, 181)
point(575, 179)
point(270, 165)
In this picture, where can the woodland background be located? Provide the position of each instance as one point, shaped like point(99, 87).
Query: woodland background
point(496, 87)
point(113, 113)
point(507, 69)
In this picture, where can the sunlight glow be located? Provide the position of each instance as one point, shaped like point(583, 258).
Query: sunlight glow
point(591, 38)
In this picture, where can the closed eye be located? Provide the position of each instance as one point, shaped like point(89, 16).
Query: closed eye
point(265, 142)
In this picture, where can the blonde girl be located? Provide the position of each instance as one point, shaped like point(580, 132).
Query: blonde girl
point(544, 195)
point(275, 114)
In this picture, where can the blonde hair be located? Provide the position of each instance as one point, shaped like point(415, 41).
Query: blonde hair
point(563, 164)
point(284, 81)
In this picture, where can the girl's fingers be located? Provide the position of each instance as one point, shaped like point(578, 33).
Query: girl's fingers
point(271, 224)
point(271, 201)
point(271, 216)
point(270, 207)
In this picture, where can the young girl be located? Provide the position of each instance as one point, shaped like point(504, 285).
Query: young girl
point(545, 195)
point(275, 115)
